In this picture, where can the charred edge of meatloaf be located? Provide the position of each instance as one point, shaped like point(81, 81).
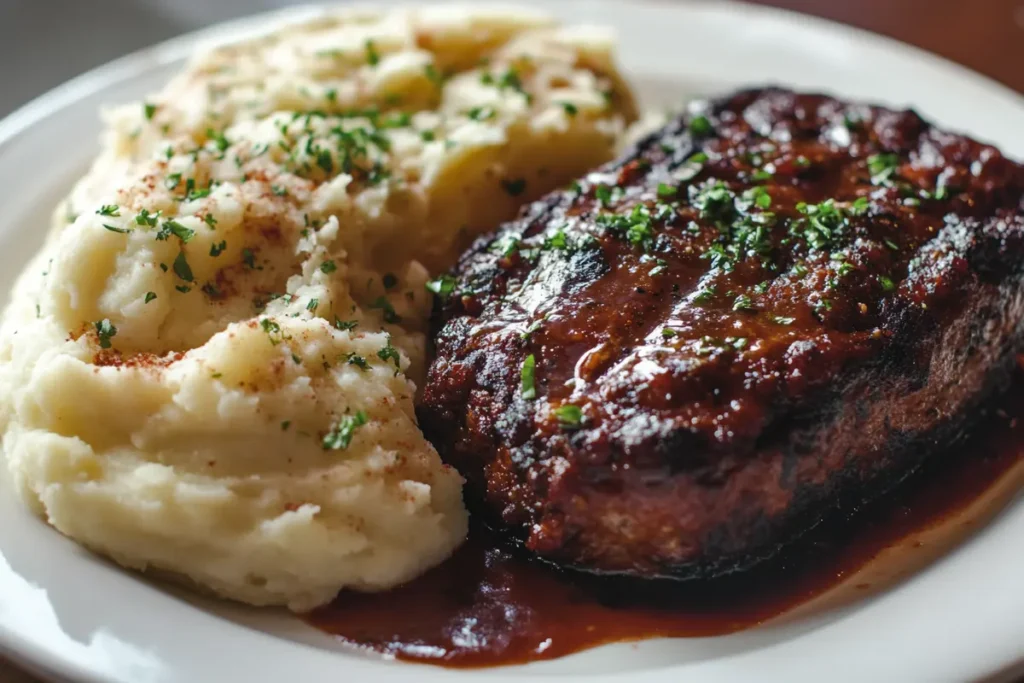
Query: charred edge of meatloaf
point(862, 391)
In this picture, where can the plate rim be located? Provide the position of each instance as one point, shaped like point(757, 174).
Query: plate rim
point(41, 660)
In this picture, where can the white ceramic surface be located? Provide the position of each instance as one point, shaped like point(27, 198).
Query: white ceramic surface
point(74, 616)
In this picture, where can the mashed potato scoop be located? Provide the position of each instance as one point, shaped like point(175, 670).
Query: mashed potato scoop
point(209, 369)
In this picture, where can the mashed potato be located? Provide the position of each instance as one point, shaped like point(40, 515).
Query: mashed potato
point(209, 368)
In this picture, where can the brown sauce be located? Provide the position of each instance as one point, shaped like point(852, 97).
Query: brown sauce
point(489, 606)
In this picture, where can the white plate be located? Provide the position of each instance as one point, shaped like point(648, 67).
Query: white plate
point(69, 614)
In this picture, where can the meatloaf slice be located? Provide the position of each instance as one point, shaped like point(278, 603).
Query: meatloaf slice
point(777, 304)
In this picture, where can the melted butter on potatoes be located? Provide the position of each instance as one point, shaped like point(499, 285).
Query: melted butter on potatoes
point(209, 368)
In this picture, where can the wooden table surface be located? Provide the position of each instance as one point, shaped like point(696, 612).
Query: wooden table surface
point(985, 35)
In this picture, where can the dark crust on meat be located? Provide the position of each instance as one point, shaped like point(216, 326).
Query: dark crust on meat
point(742, 364)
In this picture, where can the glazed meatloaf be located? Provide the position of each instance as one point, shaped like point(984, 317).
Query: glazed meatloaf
point(778, 304)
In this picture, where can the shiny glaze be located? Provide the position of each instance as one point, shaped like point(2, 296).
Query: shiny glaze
point(726, 404)
point(489, 605)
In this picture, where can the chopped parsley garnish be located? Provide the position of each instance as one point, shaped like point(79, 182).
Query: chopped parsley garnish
point(328, 267)
point(802, 161)
point(481, 113)
point(145, 218)
point(882, 167)
point(511, 80)
point(105, 330)
point(433, 75)
point(428, 136)
point(296, 359)
point(249, 258)
point(527, 389)
point(514, 187)
point(114, 228)
point(505, 245)
point(340, 436)
point(389, 352)
point(691, 168)
point(660, 267)
point(372, 56)
point(175, 228)
point(570, 108)
point(443, 286)
point(860, 206)
point(759, 197)
point(345, 325)
point(708, 345)
point(822, 226)
point(743, 303)
point(112, 210)
point(184, 289)
point(887, 284)
point(273, 330)
point(325, 161)
point(149, 297)
point(637, 226)
point(210, 220)
point(357, 360)
point(313, 305)
point(181, 267)
point(700, 126)
point(285, 425)
point(217, 248)
point(556, 240)
point(172, 181)
point(569, 416)
point(666, 191)
point(603, 194)
point(218, 139)
point(148, 110)
point(668, 333)
point(388, 311)
point(705, 294)
point(714, 200)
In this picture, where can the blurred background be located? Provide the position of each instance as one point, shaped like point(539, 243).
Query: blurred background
point(45, 42)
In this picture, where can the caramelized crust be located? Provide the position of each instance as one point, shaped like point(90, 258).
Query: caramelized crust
point(777, 304)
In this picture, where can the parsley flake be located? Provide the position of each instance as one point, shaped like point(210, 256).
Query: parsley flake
point(181, 267)
point(340, 436)
point(389, 352)
point(527, 389)
point(175, 228)
point(357, 360)
point(387, 310)
point(569, 416)
point(105, 330)
point(372, 56)
point(442, 286)
point(700, 126)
